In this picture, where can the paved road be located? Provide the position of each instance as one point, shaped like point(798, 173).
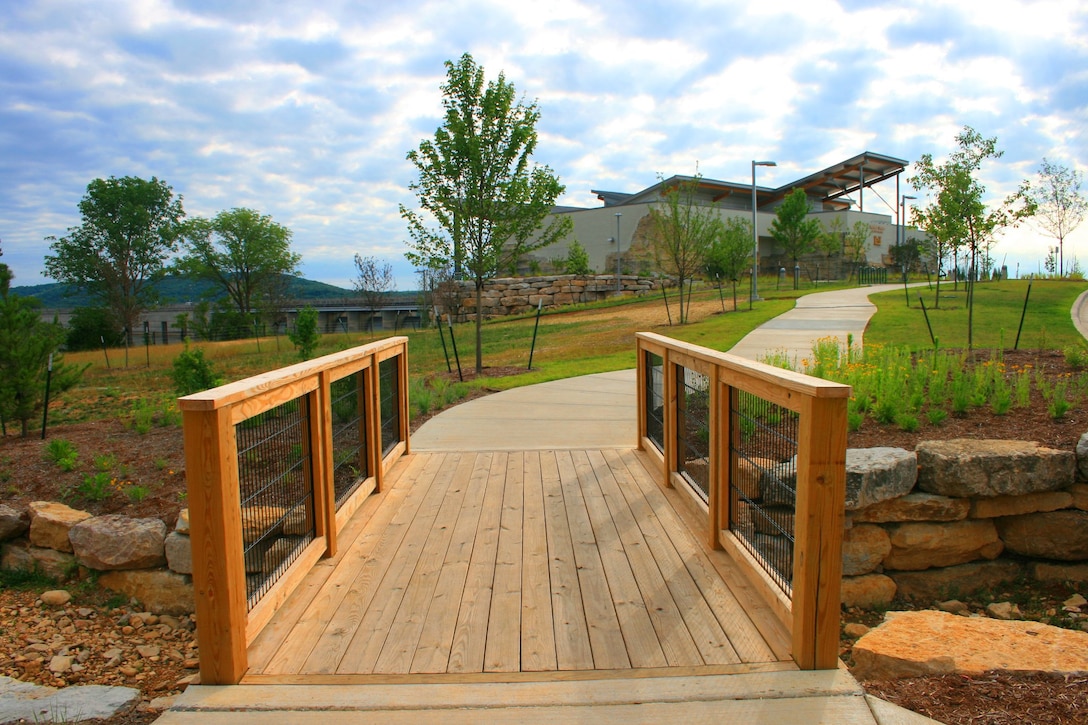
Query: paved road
point(598, 411)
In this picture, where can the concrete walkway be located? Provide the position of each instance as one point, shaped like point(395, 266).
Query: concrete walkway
point(598, 411)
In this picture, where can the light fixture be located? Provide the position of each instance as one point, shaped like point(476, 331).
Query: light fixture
point(755, 232)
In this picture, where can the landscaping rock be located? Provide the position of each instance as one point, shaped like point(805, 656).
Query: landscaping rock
point(279, 551)
point(1029, 503)
point(918, 644)
point(867, 591)
point(863, 549)
point(918, 546)
point(853, 630)
point(773, 520)
point(50, 523)
point(297, 522)
point(1079, 492)
point(115, 542)
point(258, 521)
point(916, 506)
point(967, 467)
point(748, 474)
point(179, 553)
point(1004, 610)
point(878, 474)
point(182, 526)
point(1061, 535)
point(13, 522)
point(778, 483)
point(1048, 572)
point(25, 702)
point(1082, 456)
point(952, 606)
point(20, 556)
point(160, 591)
point(55, 597)
point(938, 584)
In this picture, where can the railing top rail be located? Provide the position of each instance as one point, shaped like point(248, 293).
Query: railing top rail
point(788, 379)
point(240, 390)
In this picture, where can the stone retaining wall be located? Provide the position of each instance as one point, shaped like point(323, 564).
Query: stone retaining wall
point(951, 517)
point(956, 516)
point(516, 295)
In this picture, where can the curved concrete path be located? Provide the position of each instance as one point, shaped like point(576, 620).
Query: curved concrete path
point(598, 411)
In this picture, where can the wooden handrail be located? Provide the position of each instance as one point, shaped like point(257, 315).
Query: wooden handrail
point(812, 612)
point(212, 472)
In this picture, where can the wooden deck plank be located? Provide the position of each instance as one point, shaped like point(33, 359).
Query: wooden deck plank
point(648, 504)
point(436, 639)
point(470, 633)
point(605, 637)
point(639, 635)
point(362, 652)
point(336, 611)
point(502, 649)
point(744, 638)
point(403, 637)
point(672, 632)
point(572, 646)
point(537, 632)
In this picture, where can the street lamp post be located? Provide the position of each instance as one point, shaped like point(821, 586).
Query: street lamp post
point(755, 232)
point(619, 285)
point(903, 220)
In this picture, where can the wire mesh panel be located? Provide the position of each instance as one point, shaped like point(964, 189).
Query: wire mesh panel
point(276, 485)
point(655, 400)
point(389, 386)
point(693, 429)
point(349, 454)
point(763, 482)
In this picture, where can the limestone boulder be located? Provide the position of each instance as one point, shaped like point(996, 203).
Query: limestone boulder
point(1079, 492)
point(968, 468)
point(778, 483)
point(773, 520)
point(917, 506)
point(1046, 571)
point(1028, 503)
point(868, 591)
point(158, 590)
point(179, 553)
point(878, 474)
point(18, 555)
point(917, 546)
point(1061, 535)
point(182, 525)
point(50, 523)
point(13, 522)
point(748, 474)
point(1082, 456)
point(863, 549)
point(114, 542)
point(918, 644)
point(259, 521)
point(932, 585)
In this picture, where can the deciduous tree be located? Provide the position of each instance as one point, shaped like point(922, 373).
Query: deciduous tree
point(683, 230)
point(795, 233)
point(119, 251)
point(730, 253)
point(482, 201)
point(244, 253)
point(373, 282)
point(1060, 206)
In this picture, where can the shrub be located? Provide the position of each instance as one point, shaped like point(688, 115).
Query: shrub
point(193, 372)
point(62, 453)
point(577, 261)
point(304, 336)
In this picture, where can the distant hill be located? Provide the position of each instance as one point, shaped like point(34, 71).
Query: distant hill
point(176, 290)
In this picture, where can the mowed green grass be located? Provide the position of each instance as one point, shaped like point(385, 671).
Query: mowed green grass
point(588, 339)
point(1047, 325)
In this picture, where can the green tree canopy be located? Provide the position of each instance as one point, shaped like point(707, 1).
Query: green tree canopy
point(795, 233)
point(244, 253)
point(477, 184)
point(683, 230)
point(118, 252)
point(26, 343)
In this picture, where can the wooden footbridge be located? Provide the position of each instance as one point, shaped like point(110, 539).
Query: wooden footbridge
point(695, 573)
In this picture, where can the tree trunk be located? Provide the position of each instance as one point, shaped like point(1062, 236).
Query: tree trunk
point(479, 325)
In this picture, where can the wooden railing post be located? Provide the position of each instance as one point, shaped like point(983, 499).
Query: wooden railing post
point(219, 576)
point(820, 514)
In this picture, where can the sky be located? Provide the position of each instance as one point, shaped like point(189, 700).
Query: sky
point(306, 111)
